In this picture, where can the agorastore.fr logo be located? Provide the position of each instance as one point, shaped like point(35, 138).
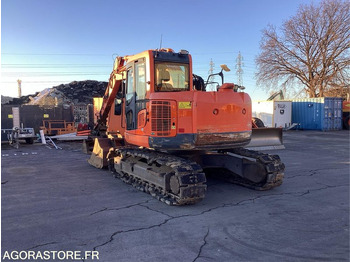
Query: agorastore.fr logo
point(31, 255)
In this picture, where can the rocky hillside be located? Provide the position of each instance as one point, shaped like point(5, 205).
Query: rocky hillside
point(76, 92)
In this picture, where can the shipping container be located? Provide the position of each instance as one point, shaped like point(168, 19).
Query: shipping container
point(273, 113)
point(33, 115)
point(322, 113)
point(346, 115)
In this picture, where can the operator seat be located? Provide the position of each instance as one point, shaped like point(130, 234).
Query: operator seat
point(163, 77)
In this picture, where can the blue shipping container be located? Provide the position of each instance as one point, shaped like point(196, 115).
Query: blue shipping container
point(322, 113)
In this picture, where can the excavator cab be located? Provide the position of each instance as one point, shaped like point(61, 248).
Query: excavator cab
point(159, 106)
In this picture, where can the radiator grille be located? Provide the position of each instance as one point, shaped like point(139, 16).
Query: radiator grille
point(161, 118)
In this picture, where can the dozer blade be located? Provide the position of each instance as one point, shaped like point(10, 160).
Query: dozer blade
point(99, 153)
point(266, 138)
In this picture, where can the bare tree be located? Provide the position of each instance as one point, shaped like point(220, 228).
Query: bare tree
point(313, 48)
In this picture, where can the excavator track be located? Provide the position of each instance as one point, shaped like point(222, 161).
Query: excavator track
point(170, 179)
point(180, 181)
point(272, 164)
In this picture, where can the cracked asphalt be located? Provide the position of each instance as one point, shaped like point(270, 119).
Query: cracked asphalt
point(53, 200)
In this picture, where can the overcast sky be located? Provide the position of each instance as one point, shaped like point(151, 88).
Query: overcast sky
point(49, 42)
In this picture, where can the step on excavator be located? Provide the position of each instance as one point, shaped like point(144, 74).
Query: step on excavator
point(159, 129)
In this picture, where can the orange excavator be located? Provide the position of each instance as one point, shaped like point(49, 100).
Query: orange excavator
point(160, 130)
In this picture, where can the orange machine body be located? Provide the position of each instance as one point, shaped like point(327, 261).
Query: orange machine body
point(159, 107)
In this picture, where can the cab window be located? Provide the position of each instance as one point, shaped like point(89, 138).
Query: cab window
point(140, 80)
point(171, 77)
point(130, 84)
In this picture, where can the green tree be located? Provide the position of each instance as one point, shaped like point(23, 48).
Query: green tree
point(311, 48)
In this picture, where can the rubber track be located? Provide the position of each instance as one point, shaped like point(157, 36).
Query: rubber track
point(190, 174)
point(273, 166)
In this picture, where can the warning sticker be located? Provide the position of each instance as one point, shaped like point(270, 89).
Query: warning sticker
point(185, 105)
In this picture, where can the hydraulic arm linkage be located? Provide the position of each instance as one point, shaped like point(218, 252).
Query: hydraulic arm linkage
point(114, 85)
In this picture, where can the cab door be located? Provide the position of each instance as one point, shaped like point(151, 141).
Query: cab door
point(135, 93)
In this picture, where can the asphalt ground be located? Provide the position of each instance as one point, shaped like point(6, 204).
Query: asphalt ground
point(52, 201)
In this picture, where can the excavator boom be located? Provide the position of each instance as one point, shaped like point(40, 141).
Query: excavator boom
point(113, 87)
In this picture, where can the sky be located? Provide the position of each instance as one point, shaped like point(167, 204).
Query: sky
point(46, 43)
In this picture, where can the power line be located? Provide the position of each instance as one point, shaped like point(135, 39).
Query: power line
point(53, 54)
point(35, 82)
point(219, 53)
point(91, 54)
point(50, 65)
point(38, 74)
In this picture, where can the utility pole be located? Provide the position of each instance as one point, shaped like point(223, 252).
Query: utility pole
point(239, 72)
point(211, 71)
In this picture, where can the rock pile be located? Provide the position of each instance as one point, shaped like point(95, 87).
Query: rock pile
point(19, 101)
point(76, 92)
point(49, 97)
point(6, 99)
point(82, 92)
